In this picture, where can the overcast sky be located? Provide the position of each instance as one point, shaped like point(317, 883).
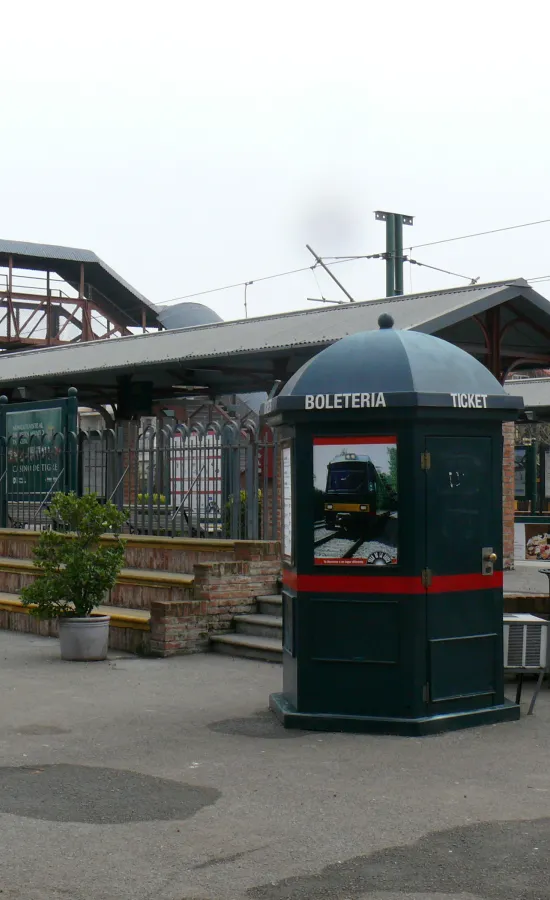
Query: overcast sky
point(193, 145)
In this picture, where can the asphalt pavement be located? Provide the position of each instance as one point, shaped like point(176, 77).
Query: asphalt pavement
point(137, 779)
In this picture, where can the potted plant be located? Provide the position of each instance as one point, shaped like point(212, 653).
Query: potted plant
point(75, 572)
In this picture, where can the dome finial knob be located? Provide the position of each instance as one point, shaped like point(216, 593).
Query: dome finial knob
point(385, 321)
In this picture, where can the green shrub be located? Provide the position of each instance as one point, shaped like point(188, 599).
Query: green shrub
point(74, 570)
point(143, 499)
point(242, 529)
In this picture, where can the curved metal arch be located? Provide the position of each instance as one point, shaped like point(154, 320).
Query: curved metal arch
point(249, 428)
point(181, 430)
point(485, 331)
point(545, 363)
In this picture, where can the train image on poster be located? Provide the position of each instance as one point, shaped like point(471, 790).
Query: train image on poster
point(356, 501)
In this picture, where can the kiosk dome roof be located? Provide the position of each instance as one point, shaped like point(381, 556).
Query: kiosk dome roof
point(392, 361)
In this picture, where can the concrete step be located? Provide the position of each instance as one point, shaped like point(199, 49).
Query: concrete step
point(251, 647)
point(270, 604)
point(260, 625)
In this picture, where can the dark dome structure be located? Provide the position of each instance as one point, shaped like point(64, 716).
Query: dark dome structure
point(187, 315)
point(418, 367)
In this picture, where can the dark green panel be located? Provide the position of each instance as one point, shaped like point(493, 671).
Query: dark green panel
point(288, 623)
point(352, 688)
point(463, 612)
point(463, 668)
point(352, 630)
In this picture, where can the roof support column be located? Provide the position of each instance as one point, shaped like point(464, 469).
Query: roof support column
point(87, 334)
point(49, 323)
point(493, 327)
point(10, 303)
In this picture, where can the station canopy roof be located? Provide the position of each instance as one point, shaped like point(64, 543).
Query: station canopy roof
point(117, 299)
point(535, 393)
point(249, 355)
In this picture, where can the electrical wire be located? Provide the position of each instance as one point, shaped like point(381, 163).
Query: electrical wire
point(464, 237)
point(227, 287)
point(319, 288)
point(461, 237)
point(334, 260)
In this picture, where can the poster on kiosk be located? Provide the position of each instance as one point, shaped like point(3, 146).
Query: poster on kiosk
point(355, 484)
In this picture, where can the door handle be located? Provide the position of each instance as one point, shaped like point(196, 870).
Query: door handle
point(488, 560)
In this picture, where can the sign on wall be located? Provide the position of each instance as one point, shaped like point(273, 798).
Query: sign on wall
point(520, 471)
point(34, 450)
point(547, 474)
point(356, 501)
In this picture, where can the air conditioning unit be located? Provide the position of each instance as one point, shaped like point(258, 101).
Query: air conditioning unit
point(525, 641)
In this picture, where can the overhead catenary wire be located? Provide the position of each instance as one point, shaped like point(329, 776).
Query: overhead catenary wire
point(461, 237)
point(323, 265)
point(323, 298)
point(236, 284)
point(465, 237)
point(335, 260)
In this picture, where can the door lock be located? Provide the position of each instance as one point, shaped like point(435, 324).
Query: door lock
point(488, 560)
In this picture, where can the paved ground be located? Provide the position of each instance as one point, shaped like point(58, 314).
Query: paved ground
point(168, 780)
point(526, 578)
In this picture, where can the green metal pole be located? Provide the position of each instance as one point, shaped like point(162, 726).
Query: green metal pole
point(70, 480)
point(531, 477)
point(390, 255)
point(398, 231)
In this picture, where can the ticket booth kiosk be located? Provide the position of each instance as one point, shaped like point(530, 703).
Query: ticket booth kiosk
point(392, 537)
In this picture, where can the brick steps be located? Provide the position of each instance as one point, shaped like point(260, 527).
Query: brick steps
point(125, 576)
point(270, 604)
point(172, 594)
point(128, 629)
point(257, 635)
point(268, 649)
point(135, 588)
point(260, 625)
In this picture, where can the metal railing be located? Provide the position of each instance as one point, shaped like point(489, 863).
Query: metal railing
point(218, 480)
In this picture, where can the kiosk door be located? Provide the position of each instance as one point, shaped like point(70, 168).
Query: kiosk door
point(464, 592)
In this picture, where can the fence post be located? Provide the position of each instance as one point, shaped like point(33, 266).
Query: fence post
point(251, 479)
point(150, 480)
point(118, 495)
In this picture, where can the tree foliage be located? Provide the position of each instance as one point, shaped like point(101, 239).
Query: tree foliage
point(392, 463)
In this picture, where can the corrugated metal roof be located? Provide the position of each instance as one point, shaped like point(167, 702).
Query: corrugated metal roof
point(47, 251)
point(263, 337)
point(535, 391)
point(122, 297)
